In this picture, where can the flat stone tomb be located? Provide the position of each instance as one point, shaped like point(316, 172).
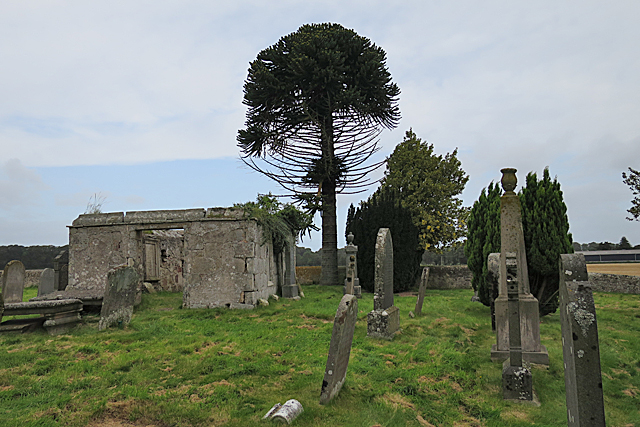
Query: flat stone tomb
point(340, 348)
point(47, 281)
point(580, 346)
point(57, 316)
point(119, 298)
point(13, 281)
point(384, 320)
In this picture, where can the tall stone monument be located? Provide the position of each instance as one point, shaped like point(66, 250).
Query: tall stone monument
point(290, 287)
point(580, 347)
point(384, 320)
point(13, 281)
point(340, 348)
point(351, 281)
point(517, 383)
point(512, 241)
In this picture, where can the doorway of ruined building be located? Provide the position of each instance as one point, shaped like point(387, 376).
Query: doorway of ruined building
point(163, 255)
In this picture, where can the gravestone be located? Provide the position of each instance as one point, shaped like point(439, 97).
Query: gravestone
point(493, 278)
point(61, 270)
point(13, 281)
point(517, 383)
point(340, 348)
point(384, 320)
point(351, 281)
point(290, 287)
point(580, 346)
point(512, 241)
point(119, 298)
point(423, 286)
point(47, 282)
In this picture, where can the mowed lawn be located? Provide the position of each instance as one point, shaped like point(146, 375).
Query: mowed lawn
point(219, 367)
point(627, 268)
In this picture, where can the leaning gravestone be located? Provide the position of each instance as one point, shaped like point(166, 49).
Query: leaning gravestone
point(47, 282)
point(384, 320)
point(340, 348)
point(580, 347)
point(423, 286)
point(13, 281)
point(119, 298)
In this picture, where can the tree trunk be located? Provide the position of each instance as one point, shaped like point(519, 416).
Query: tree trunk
point(329, 228)
point(329, 235)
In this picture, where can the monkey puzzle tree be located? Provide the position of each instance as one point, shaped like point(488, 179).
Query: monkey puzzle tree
point(632, 179)
point(318, 99)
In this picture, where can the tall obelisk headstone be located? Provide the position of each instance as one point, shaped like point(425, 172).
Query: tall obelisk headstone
point(290, 287)
point(351, 281)
point(512, 241)
point(580, 347)
point(517, 383)
point(384, 320)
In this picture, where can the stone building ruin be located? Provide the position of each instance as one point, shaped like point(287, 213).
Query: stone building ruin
point(216, 257)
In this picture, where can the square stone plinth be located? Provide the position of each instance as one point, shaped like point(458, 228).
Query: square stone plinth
point(383, 323)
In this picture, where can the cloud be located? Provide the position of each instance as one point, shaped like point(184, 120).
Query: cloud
point(19, 186)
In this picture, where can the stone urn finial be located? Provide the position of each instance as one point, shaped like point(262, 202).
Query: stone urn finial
point(509, 179)
point(350, 239)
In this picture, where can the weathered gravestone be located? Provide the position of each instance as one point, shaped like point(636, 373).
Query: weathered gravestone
point(512, 241)
point(423, 286)
point(290, 287)
point(580, 347)
point(517, 383)
point(119, 298)
point(384, 320)
point(351, 281)
point(340, 348)
point(47, 282)
point(61, 270)
point(13, 281)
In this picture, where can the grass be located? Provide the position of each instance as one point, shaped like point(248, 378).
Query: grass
point(218, 367)
point(626, 268)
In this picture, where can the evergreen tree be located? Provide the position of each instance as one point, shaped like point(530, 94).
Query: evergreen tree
point(624, 243)
point(483, 238)
point(318, 99)
point(546, 234)
point(383, 210)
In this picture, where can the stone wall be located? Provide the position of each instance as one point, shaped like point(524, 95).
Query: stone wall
point(223, 261)
point(448, 277)
point(310, 275)
point(616, 283)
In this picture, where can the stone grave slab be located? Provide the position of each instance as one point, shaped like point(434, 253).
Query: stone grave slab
point(580, 345)
point(13, 281)
point(119, 298)
point(340, 348)
point(423, 286)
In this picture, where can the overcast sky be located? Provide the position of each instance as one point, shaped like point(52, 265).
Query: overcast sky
point(141, 101)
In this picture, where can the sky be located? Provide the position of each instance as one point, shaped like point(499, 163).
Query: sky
point(140, 102)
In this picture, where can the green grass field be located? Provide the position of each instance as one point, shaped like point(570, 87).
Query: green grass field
point(175, 367)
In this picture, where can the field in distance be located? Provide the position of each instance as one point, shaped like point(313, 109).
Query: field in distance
point(629, 269)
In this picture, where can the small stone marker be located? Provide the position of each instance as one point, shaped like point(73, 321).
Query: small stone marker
point(47, 282)
point(423, 286)
point(580, 346)
point(61, 270)
point(284, 414)
point(13, 281)
point(119, 298)
point(351, 281)
point(517, 383)
point(340, 348)
point(384, 320)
